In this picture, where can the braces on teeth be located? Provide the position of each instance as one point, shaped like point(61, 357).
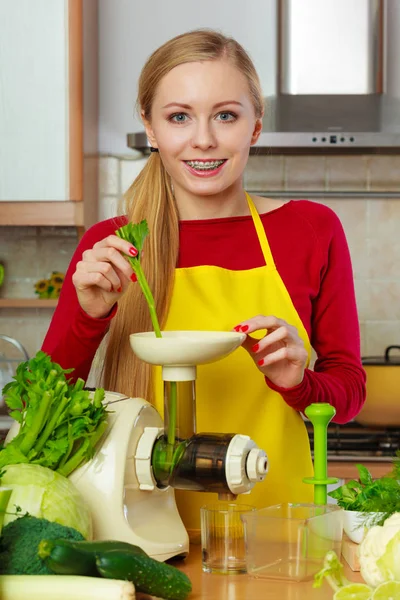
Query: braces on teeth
point(205, 166)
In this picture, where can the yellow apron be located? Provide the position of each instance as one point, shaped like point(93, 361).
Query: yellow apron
point(231, 394)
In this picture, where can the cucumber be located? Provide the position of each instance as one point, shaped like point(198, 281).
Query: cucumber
point(147, 575)
point(105, 545)
point(63, 559)
point(67, 557)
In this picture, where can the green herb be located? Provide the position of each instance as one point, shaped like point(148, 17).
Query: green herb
point(60, 423)
point(371, 496)
point(135, 234)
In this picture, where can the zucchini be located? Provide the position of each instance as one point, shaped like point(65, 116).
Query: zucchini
point(67, 557)
point(147, 574)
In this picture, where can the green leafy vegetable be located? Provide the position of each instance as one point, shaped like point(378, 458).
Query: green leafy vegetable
point(135, 234)
point(371, 496)
point(60, 423)
point(46, 495)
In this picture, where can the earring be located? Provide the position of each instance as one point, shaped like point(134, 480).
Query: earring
point(153, 149)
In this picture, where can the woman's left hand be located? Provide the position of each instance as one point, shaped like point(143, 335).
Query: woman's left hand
point(280, 355)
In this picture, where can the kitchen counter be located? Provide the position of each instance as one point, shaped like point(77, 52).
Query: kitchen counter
point(208, 586)
point(348, 469)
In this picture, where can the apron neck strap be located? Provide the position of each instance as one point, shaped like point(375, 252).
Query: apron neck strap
point(262, 238)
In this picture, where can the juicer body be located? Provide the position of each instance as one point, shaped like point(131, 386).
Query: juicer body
point(121, 509)
point(133, 501)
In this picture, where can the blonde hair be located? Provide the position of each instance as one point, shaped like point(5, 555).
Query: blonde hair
point(151, 197)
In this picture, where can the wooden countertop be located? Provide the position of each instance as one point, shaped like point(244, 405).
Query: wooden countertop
point(208, 586)
point(348, 470)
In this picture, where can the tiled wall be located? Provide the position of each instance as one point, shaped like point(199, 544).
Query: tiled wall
point(30, 254)
point(371, 226)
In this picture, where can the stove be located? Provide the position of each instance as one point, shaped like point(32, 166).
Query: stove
point(355, 442)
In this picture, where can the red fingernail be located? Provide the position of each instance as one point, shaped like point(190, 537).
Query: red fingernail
point(244, 328)
point(119, 290)
point(261, 362)
point(133, 251)
point(255, 347)
point(133, 277)
point(237, 328)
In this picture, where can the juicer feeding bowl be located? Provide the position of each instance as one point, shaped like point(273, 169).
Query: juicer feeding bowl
point(181, 348)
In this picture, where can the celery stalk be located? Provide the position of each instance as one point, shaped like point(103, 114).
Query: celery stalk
point(149, 297)
point(86, 448)
point(172, 418)
point(50, 426)
point(76, 459)
point(31, 434)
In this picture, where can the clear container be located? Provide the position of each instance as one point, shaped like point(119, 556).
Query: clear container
point(290, 541)
point(222, 537)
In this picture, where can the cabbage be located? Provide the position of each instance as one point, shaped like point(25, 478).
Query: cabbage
point(379, 552)
point(45, 494)
point(389, 562)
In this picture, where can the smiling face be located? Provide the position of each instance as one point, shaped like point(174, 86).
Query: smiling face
point(203, 122)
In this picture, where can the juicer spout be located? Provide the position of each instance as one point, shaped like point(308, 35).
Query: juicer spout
point(227, 497)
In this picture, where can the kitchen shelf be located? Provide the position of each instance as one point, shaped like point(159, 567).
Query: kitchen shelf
point(62, 213)
point(27, 303)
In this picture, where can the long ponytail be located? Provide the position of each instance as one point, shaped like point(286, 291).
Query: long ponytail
point(150, 197)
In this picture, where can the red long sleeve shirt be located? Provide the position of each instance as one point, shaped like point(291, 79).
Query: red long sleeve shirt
point(312, 257)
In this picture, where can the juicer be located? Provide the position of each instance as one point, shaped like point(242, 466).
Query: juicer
point(129, 483)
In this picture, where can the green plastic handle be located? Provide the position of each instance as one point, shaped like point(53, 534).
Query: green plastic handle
point(320, 416)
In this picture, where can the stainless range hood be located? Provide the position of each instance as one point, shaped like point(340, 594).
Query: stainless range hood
point(334, 88)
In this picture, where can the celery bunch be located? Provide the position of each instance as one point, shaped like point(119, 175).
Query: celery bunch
point(60, 424)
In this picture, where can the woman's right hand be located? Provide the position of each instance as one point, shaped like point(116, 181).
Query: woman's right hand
point(103, 275)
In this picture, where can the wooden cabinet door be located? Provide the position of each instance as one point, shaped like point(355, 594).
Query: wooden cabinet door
point(40, 100)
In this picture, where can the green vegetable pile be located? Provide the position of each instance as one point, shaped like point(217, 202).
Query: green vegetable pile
point(115, 560)
point(60, 423)
point(372, 496)
point(19, 544)
point(135, 234)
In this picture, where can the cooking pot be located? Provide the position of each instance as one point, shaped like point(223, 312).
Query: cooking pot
point(382, 405)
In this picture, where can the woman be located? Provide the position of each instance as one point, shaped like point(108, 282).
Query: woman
point(220, 259)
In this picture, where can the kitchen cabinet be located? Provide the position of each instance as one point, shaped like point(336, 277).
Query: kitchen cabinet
point(42, 109)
